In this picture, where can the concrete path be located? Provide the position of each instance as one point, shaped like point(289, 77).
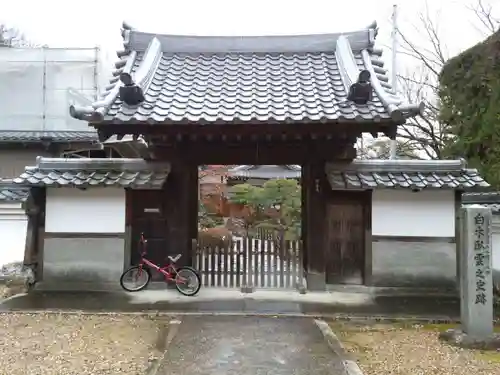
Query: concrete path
point(249, 346)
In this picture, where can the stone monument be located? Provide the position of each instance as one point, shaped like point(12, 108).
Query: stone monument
point(476, 283)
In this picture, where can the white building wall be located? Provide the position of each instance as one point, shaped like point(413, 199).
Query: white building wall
point(50, 80)
point(84, 245)
point(13, 227)
point(414, 238)
point(428, 213)
point(94, 210)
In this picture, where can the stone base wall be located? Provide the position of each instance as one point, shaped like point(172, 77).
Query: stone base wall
point(83, 263)
point(429, 263)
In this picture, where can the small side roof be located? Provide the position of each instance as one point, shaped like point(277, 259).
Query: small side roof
point(405, 174)
point(11, 193)
point(248, 79)
point(489, 199)
point(52, 136)
point(95, 172)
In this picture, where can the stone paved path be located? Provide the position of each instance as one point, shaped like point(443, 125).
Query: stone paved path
point(223, 345)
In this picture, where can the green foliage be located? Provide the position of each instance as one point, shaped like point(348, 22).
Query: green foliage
point(281, 196)
point(470, 95)
point(252, 197)
point(246, 194)
point(285, 197)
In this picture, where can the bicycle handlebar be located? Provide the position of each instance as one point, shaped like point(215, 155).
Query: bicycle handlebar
point(142, 249)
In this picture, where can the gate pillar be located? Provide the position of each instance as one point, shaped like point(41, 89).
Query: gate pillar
point(313, 221)
point(181, 190)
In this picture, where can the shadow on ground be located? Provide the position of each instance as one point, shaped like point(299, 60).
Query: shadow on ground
point(121, 302)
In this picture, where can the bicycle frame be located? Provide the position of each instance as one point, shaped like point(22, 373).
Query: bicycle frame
point(169, 271)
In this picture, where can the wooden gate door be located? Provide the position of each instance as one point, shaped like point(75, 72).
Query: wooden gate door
point(147, 214)
point(345, 250)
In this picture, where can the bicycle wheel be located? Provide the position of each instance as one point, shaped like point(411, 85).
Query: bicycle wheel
point(187, 281)
point(139, 275)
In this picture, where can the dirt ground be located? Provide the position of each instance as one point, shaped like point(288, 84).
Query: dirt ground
point(78, 344)
point(411, 349)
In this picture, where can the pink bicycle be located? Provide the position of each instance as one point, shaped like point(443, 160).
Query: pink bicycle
point(183, 277)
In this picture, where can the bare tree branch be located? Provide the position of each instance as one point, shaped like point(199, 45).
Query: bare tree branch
point(425, 135)
point(380, 148)
point(484, 14)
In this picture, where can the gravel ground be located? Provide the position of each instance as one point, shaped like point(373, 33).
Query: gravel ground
point(411, 350)
point(76, 344)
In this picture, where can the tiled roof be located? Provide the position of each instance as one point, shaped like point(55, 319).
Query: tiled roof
point(407, 174)
point(265, 171)
point(10, 193)
point(489, 199)
point(495, 207)
point(83, 172)
point(203, 79)
point(21, 136)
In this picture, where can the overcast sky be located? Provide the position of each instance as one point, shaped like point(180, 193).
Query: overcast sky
point(97, 22)
point(90, 23)
point(59, 23)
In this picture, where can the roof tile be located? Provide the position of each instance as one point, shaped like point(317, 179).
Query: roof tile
point(126, 173)
point(13, 194)
point(372, 174)
point(489, 199)
point(247, 88)
point(409, 174)
point(265, 171)
point(249, 79)
point(22, 136)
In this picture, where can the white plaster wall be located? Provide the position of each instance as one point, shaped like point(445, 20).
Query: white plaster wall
point(95, 210)
point(428, 213)
point(13, 227)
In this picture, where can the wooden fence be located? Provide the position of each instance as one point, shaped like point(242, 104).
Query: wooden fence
point(265, 234)
point(251, 263)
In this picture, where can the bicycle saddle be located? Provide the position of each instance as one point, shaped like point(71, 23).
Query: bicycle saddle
point(174, 259)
